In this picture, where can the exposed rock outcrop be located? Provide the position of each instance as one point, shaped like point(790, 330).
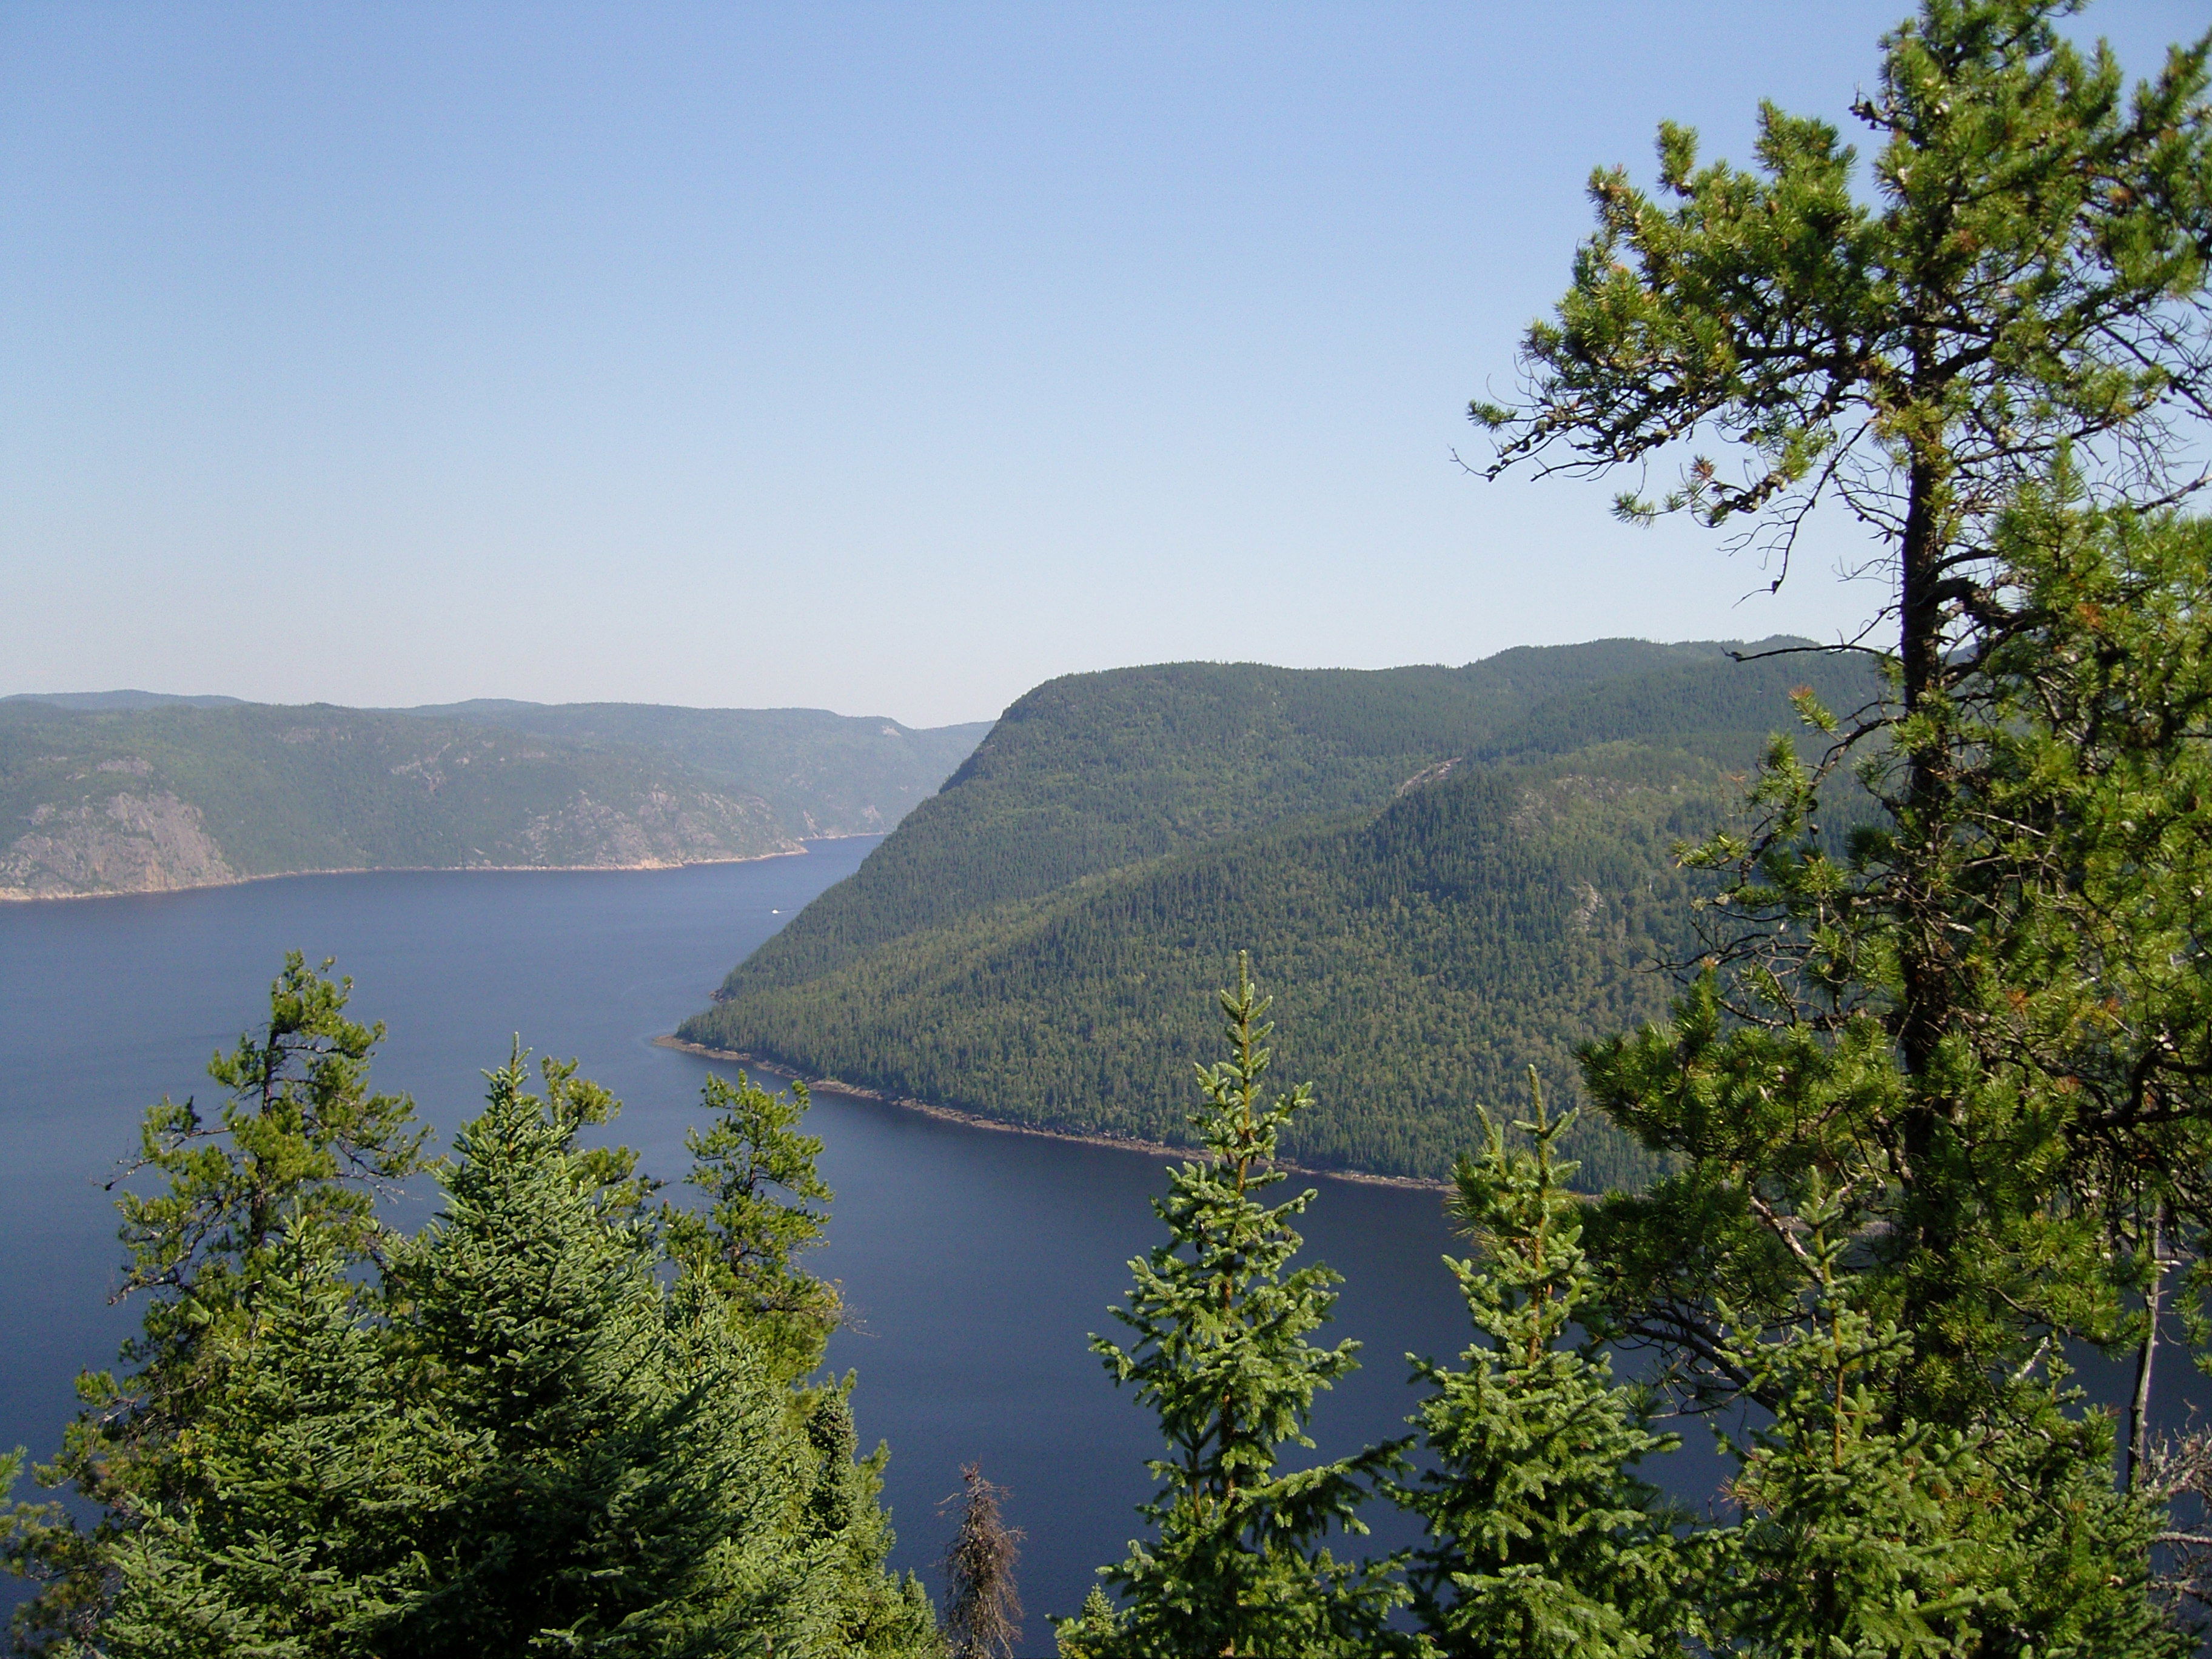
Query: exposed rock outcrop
point(124, 844)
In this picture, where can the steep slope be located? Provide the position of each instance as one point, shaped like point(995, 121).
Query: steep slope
point(1477, 879)
point(1093, 771)
point(144, 800)
point(822, 774)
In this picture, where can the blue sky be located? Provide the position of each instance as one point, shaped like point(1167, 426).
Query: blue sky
point(885, 359)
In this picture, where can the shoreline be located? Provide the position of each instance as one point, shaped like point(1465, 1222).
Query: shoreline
point(20, 896)
point(978, 1121)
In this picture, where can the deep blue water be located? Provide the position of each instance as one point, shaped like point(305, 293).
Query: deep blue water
point(975, 1263)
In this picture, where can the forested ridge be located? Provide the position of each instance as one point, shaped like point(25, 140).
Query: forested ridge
point(1935, 1111)
point(1453, 873)
point(131, 792)
point(821, 774)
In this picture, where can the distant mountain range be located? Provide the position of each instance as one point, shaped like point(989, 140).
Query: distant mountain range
point(1446, 875)
point(136, 792)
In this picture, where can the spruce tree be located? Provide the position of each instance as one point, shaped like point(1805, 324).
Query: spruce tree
point(767, 1204)
point(292, 1160)
point(289, 1528)
point(1864, 1533)
point(1543, 1543)
point(626, 1463)
point(1235, 1564)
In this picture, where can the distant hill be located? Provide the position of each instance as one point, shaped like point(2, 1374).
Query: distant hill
point(98, 700)
point(822, 774)
point(1446, 875)
point(131, 791)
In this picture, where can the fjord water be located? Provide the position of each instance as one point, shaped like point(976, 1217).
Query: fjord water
point(974, 1262)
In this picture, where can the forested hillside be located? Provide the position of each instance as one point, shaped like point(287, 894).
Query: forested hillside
point(176, 796)
point(822, 774)
point(136, 792)
point(1448, 875)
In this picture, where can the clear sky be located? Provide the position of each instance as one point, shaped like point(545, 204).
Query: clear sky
point(888, 359)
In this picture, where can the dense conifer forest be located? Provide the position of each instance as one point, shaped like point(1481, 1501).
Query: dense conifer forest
point(1454, 873)
point(1927, 1134)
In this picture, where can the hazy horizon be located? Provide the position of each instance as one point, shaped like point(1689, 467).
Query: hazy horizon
point(849, 713)
point(869, 357)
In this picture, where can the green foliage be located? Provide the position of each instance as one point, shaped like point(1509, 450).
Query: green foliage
point(822, 774)
point(1980, 1011)
point(1865, 1532)
point(300, 1149)
point(1544, 1544)
point(745, 1246)
point(174, 796)
point(1434, 941)
point(289, 1169)
point(1220, 1353)
point(510, 1433)
point(2023, 1154)
point(2032, 274)
point(622, 1445)
point(285, 1529)
point(1848, 1544)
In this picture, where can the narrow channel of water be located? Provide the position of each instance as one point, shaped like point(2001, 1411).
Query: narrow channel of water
point(976, 1263)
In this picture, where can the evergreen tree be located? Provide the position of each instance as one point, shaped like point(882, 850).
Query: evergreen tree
point(768, 1202)
point(747, 1243)
point(2013, 328)
point(1983, 1016)
point(1543, 1545)
point(864, 1609)
point(291, 1161)
point(1865, 1533)
point(1220, 1353)
point(982, 1609)
point(626, 1463)
point(289, 1528)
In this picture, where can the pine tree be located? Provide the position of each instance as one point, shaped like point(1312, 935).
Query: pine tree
point(1981, 1013)
point(2018, 313)
point(293, 1160)
point(748, 1242)
point(1543, 1544)
point(1236, 1567)
point(982, 1609)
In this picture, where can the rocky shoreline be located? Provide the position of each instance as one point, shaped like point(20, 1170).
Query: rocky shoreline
point(979, 1120)
point(23, 896)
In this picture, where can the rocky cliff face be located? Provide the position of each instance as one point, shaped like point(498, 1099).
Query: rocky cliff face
point(142, 801)
point(127, 843)
point(658, 828)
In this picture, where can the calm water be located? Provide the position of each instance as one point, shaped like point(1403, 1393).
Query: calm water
point(975, 1262)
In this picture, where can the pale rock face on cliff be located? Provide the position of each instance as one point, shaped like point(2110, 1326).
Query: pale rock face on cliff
point(125, 844)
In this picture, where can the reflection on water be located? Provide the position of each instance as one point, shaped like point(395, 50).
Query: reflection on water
point(976, 1263)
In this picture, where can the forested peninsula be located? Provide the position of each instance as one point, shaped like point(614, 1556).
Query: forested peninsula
point(130, 792)
point(1452, 873)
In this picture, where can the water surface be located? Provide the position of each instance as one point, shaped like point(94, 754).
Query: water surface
point(976, 1263)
